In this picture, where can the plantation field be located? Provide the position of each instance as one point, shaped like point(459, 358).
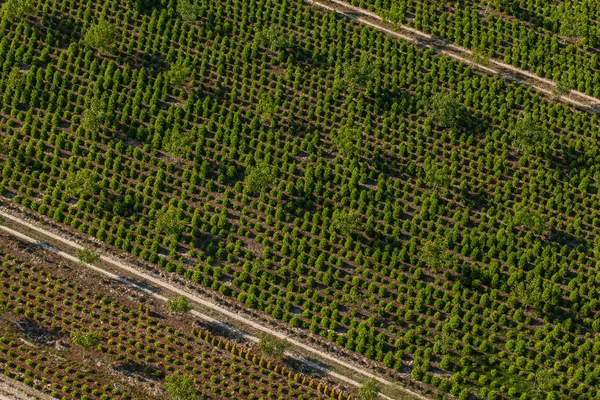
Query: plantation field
point(374, 196)
point(557, 40)
point(141, 342)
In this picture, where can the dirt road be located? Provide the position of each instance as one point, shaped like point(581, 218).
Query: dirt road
point(461, 54)
point(141, 278)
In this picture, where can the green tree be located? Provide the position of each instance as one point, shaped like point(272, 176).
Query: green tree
point(87, 256)
point(13, 10)
point(179, 304)
point(359, 73)
point(258, 178)
point(80, 183)
point(94, 116)
point(346, 222)
point(369, 390)
point(574, 21)
point(544, 381)
point(435, 254)
point(272, 38)
point(86, 340)
point(530, 219)
point(168, 222)
point(445, 110)
point(271, 346)
point(181, 387)
point(187, 10)
point(528, 134)
point(348, 140)
point(103, 36)
point(14, 81)
point(179, 143)
point(480, 57)
point(563, 87)
point(266, 107)
point(179, 72)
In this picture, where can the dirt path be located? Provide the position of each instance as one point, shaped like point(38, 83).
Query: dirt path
point(462, 54)
point(142, 278)
point(14, 390)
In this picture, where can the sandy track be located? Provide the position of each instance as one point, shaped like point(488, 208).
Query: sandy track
point(243, 322)
point(14, 390)
point(461, 54)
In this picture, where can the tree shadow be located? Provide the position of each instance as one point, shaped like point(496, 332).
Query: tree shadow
point(36, 333)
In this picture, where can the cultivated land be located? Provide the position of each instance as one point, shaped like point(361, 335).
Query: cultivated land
point(420, 219)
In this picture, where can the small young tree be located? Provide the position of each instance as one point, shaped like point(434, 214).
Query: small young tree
point(359, 74)
point(103, 36)
point(369, 390)
point(86, 340)
point(179, 305)
point(528, 134)
point(187, 10)
point(13, 10)
point(271, 346)
point(346, 222)
point(445, 110)
point(258, 178)
point(87, 256)
point(181, 387)
point(168, 222)
point(179, 143)
point(272, 38)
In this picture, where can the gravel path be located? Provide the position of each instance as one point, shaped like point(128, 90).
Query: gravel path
point(141, 276)
point(14, 390)
point(462, 54)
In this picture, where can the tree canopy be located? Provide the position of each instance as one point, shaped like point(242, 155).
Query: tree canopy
point(445, 110)
point(369, 390)
point(181, 387)
point(103, 35)
point(13, 10)
point(271, 346)
point(168, 222)
point(258, 178)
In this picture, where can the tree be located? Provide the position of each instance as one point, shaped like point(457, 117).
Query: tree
point(563, 87)
point(87, 256)
point(272, 38)
point(346, 222)
point(480, 57)
point(544, 381)
point(93, 116)
point(168, 222)
point(445, 110)
point(14, 10)
point(271, 346)
point(530, 219)
point(369, 390)
point(14, 81)
point(103, 36)
point(181, 387)
point(87, 340)
point(266, 107)
point(359, 73)
point(258, 178)
point(436, 176)
point(349, 140)
point(179, 142)
point(179, 304)
point(528, 134)
point(187, 10)
point(80, 183)
point(178, 73)
point(573, 21)
point(435, 254)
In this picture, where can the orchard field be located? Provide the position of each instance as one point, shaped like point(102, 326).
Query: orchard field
point(382, 199)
